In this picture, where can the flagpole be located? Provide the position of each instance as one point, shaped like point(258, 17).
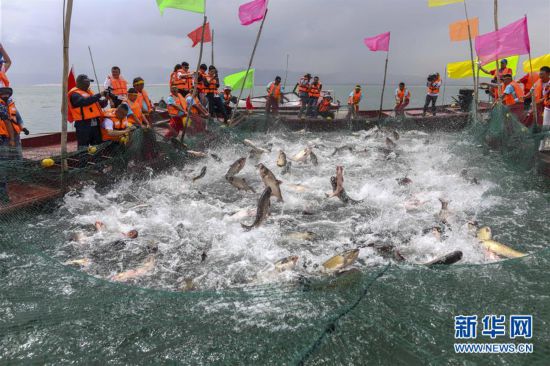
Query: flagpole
point(471, 54)
point(64, 100)
point(383, 86)
point(213, 48)
point(249, 64)
point(533, 97)
point(196, 79)
point(444, 86)
point(495, 15)
point(286, 72)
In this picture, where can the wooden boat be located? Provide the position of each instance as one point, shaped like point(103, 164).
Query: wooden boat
point(290, 102)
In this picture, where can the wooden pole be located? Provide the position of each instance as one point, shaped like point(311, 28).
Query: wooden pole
point(286, 72)
point(212, 48)
point(249, 64)
point(495, 15)
point(64, 101)
point(444, 86)
point(383, 86)
point(195, 80)
point(93, 67)
point(471, 55)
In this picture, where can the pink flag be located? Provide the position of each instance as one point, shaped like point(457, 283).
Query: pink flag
point(380, 42)
point(253, 11)
point(508, 41)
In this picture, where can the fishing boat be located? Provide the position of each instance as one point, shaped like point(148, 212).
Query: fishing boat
point(290, 102)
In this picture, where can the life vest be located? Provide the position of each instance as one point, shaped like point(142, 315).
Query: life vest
point(137, 110)
point(213, 85)
point(274, 90)
point(538, 92)
point(529, 80)
point(144, 97)
point(508, 98)
point(324, 106)
point(200, 84)
point(315, 90)
point(118, 124)
point(355, 98)
point(502, 72)
point(12, 112)
point(194, 108)
point(4, 81)
point(120, 86)
point(187, 78)
point(303, 85)
point(87, 112)
point(181, 102)
point(433, 88)
point(403, 95)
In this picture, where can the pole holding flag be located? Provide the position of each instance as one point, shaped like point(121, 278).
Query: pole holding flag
point(380, 42)
point(68, 11)
point(212, 63)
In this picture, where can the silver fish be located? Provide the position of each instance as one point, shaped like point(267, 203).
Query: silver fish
point(236, 167)
point(281, 159)
point(240, 184)
point(254, 147)
point(264, 204)
point(201, 174)
point(270, 181)
point(390, 144)
point(313, 158)
point(286, 264)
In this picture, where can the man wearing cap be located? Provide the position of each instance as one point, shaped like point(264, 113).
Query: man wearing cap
point(353, 102)
point(511, 92)
point(497, 74)
point(303, 92)
point(87, 109)
point(273, 96)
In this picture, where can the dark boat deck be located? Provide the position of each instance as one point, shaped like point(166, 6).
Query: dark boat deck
point(27, 194)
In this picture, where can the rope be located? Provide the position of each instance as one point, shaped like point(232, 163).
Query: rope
point(331, 326)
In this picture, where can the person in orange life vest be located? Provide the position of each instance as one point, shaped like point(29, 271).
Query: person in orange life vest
point(314, 94)
point(177, 80)
point(215, 103)
point(353, 102)
point(8, 104)
point(115, 123)
point(498, 75)
point(402, 99)
point(273, 96)
point(511, 92)
point(177, 110)
point(137, 117)
point(87, 110)
point(147, 105)
point(537, 92)
point(117, 85)
point(5, 64)
point(544, 87)
point(303, 93)
point(202, 83)
point(528, 81)
point(227, 99)
point(433, 84)
point(8, 138)
point(187, 77)
point(324, 107)
point(198, 113)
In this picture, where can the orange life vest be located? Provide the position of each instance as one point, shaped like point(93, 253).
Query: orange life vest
point(4, 81)
point(180, 102)
point(213, 85)
point(274, 90)
point(176, 81)
point(200, 84)
point(87, 112)
point(538, 92)
point(120, 86)
point(187, 79)
point(403, 95)
point(324, 106)
point(144, 97)
point(530, 80)
point(194, 108)
point(315, 90)
point(433, 88)
point(508, 98)
point(546, 96)
point(118, 124)
point(355, 98)
point(12, 112)
point(502, 72)
point(303, 85)
point(137, 110)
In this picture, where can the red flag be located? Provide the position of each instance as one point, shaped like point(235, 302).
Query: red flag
point(197, 33)
point(71, 83)
point(249, 105)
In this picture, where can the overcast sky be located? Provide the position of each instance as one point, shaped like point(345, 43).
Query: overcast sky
point(323, 37)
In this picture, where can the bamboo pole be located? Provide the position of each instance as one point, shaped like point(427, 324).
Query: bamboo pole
point(93, 67)
point(286, 72)
point(533, 97)
point(195, 81)
point(383, 86)
point(444, 86)
point(497, 64)
point(212, 48)
point(249, 65)
point(64, 101)
point(471, 57)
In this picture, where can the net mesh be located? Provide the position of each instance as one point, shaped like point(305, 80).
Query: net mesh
point(389, 314)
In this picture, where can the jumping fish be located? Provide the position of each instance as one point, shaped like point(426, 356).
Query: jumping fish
point(404, 181)
point(342, 148)
point(313, 158)
point(286, 169)
point(281, 159)
point(197, 154)
point(395, 135)
point(255, 154)
point(147, 266)
point(286, 264)
point(341, 192)
point(254, 147)
point(485, 235)
point(270, 181)
point(341, 261)
point(243, 214)
point(84, 262)
point(216, 157)
point(307, 235)
point(264, 203)
point(443, 214)
point(240, 184)
point(447, 259)
point(235, 168)
point(390, 144)
point(201, 174)
point(302, 155)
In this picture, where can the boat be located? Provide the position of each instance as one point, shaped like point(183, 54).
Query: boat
point(290, 102)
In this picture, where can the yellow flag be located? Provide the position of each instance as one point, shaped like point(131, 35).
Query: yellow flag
point(537, 63)
point(434, 3)
point(463, 69)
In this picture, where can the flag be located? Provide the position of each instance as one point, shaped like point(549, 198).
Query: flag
point(252, 12)
point(235, 81)
point(458, 31)
point(380, 42)
point(249, 105)
point(510, 40)
point(71, 83)
point(537, 63)
point(197, 34)
point(463, 69)
point(434, 3)
point(196, 6)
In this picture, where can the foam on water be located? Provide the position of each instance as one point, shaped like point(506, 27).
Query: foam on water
point(185, 218)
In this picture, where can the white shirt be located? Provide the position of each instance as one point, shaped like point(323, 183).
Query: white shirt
point(108, 124)
point(545, 91)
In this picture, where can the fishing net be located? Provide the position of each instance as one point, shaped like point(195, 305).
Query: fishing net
point(386, 314)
